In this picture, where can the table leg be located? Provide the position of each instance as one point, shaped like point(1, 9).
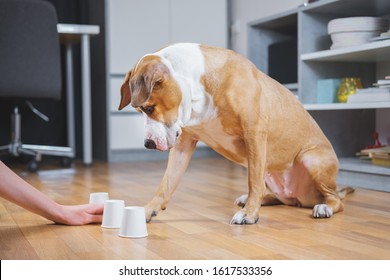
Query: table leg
point(86, 99)
point(70, 98)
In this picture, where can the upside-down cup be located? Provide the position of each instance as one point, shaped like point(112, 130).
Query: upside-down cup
point(112, 213)
point(133, 223)
point(98, 197)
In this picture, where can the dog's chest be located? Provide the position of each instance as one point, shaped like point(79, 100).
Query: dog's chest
point(214, 135)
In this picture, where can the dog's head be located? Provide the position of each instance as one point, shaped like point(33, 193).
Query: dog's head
point(151, 88)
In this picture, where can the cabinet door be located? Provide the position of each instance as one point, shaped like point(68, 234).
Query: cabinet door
point(135, 28)
point(126, 132)
point(200, 21)
point(115, 95)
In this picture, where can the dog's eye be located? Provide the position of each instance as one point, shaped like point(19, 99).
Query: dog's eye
point(148, 110)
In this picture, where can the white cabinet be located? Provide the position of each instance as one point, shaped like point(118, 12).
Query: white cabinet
point(136, 27)
point(115, 97)
point(126, 131)
point(200, 21)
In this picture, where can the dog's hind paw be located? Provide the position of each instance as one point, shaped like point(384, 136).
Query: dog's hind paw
point(241, 201)
point(322, 211)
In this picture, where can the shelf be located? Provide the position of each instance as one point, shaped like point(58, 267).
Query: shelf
point(371, 52)
point(362, 166)
point(277, 22)
point(360, 173)
point(346, 106)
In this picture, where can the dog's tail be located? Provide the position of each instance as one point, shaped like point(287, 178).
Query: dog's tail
point(344, 191)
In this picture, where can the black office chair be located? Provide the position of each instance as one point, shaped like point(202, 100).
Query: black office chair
point(30, 67)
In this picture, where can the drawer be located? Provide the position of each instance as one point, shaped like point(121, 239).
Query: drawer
point(127, 132)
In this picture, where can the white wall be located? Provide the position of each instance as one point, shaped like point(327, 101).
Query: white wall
point(244, 11)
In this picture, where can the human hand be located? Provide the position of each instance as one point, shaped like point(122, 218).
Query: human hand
point(74, 215)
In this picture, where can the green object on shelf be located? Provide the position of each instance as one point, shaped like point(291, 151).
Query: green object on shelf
point(348, 87)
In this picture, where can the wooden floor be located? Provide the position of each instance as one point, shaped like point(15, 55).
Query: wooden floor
point(195, 224)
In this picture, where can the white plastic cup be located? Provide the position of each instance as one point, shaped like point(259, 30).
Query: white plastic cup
point(112, 213)
point(98, 197)
point(133, 223)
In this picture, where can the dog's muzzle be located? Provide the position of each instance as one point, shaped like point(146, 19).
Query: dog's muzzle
point(159, 136)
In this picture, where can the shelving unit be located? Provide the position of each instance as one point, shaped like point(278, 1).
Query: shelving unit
point(348, 126)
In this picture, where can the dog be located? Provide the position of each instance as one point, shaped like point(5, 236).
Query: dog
point(190, 92)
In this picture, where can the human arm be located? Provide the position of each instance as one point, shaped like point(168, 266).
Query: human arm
point(18, 191)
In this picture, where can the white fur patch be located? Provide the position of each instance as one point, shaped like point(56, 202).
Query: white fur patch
point(186, 63)
point(163, 136)
point(322, 211)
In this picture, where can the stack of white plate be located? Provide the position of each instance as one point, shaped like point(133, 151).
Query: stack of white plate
point(346, 32)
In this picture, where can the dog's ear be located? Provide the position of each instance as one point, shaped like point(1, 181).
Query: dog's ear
point(125, 92)
point(155, 75)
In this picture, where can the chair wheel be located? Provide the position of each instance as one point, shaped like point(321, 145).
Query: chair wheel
point(33, 166)
point(66, 162)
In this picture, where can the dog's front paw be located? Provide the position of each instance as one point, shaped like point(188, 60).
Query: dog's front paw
point(241, 201)
point(322, 211)
point(149, 213)
point(241, 218)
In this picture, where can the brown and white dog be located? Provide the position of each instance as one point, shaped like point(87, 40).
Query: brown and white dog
point(189, 93)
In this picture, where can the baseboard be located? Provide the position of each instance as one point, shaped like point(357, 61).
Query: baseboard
point(149, 155)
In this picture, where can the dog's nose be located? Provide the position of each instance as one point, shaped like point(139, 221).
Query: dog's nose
point(150, 144)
